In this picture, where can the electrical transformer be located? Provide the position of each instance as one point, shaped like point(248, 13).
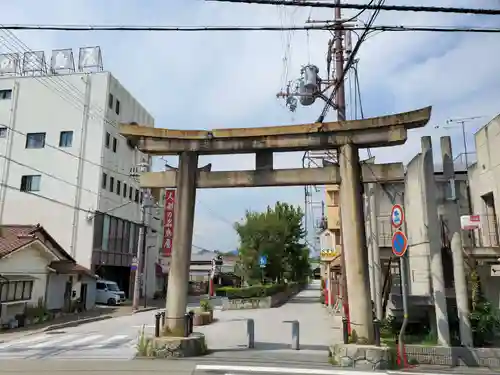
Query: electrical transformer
point(306, 97)
point(311, 80)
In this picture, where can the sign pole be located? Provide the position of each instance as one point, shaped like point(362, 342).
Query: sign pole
point(399, 248)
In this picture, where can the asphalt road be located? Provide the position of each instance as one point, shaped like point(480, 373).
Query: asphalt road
point(194, 367)
point(114, 338)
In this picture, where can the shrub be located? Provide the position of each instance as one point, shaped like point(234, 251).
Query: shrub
point(485, 322)
point(255, 291)
point(205, 305)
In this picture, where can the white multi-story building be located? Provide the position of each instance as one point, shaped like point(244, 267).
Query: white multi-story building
point(58, 133)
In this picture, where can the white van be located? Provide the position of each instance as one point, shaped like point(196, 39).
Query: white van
point(109, 293)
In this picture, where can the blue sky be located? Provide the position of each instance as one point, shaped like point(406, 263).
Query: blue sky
point(208, 80)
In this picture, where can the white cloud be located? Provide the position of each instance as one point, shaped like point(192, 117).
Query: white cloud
point(209, 80)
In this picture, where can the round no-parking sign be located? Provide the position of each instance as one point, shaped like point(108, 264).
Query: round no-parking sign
point(397, 216)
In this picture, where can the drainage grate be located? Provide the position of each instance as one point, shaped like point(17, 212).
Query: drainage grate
point(55, 332)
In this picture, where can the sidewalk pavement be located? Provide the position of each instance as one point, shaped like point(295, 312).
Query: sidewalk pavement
point(273, 335)
point(72, 320)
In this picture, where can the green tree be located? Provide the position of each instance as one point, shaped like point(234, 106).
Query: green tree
point(276, 233)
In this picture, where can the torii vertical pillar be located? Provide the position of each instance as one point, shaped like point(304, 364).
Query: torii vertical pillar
point(354, 241)
point(178, 279)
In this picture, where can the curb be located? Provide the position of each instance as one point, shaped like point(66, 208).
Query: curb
point(145, 310)
point(76, 323)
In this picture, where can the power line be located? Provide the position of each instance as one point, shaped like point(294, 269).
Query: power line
point(350, 61)
point(68, 205)
point(324, 27)
point(62, 88)
point(397, 8)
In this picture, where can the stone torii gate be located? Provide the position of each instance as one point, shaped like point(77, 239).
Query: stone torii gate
point(345, 136)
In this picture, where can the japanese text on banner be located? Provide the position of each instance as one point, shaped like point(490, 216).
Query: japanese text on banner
point(168, 223)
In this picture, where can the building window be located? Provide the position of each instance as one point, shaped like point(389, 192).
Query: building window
point(105, 233)
point(115, 144)
point(3, 131)
point(126, 237)
point(117, 108)
point(30, 183)
point(130, 192)
point(112, 233)
point(66, 139)
point(119, 236)
point(136, 196)
point(111, 184)
point(35, 140)
point(5, 94)
point(104, 181)
point(133, 238)
point(110, 101)
point(338, 238)
point(142, 197)
point(108, 140)
point(336, 198)
point(98, 227)
point(124, 190)
point(118, 187)
point(16, 291)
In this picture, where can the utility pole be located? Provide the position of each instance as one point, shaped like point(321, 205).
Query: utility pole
point(341, 116)
point(143, 167)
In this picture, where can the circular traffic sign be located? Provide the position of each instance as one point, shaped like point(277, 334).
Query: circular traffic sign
point(399, 243)
point(397, 216)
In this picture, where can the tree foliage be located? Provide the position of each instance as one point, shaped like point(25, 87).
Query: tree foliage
point(278, 234)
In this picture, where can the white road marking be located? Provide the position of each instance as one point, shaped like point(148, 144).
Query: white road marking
point(107, 341)
point(22, 341)
point(230, 370)
point(82, 340)
point(52, 342)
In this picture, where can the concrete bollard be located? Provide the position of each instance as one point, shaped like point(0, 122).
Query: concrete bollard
point(157, 324)
point(191, 321)
point(345, 330)
point(250, 333)
point(162, 319)
point(295, 334)
point(187, 324)
point(376, 329)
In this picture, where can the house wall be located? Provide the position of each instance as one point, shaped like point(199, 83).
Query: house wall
point(91, 290)
point(55, 291)
point(26, 261)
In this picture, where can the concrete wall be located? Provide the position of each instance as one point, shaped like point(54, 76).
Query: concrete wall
point(385, 203)
point(332, 202)
point(484, 179)
point(50, 105)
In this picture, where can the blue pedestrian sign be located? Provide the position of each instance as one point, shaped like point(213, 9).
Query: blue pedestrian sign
point(263, 261)
point(399, 244)
point(397, 216)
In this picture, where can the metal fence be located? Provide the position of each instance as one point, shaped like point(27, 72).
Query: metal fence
point(487, 235)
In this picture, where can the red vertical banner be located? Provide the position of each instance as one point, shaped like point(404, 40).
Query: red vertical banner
point(168, 223)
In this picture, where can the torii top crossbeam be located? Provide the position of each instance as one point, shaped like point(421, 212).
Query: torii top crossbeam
point(373, 132)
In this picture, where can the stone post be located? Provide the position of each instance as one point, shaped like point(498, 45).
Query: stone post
point(354, 241)
point(178, 280)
